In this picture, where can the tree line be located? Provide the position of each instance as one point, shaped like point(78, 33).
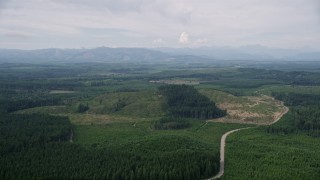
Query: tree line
point(184, 101)
point(37, 146)
point(303, 115)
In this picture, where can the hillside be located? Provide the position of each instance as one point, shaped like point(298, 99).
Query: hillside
point(101, 54)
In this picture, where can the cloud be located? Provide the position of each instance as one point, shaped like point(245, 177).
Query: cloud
point(128, 22)
point(2, 3)
point(119, 6)
point(158, 41)
point(184, 38)
point(15, 34)
point(201, 41)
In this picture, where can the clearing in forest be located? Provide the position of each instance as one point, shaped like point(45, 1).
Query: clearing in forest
point(146, 106)
point(261, 109)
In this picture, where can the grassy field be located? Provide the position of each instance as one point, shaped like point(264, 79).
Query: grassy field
point(134, 104)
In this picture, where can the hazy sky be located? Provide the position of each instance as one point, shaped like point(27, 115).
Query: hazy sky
point(30, 24)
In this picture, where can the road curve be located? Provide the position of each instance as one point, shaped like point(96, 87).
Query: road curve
point(280, 115)
point(223, 142)
point(222, 145)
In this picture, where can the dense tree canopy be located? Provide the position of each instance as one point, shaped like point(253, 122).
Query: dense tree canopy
point(37, 146)
point(186, 102)
point(304, 114)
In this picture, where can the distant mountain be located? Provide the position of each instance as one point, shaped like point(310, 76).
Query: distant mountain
point(158, 55)
point(311, 56)
point(102, 54)
point(216, 53)
point(250, 52)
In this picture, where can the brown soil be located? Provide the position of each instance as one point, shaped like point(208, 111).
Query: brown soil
point(261, 110)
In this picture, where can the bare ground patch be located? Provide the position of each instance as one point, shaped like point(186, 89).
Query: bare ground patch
point(262, 110)
point(176, 81)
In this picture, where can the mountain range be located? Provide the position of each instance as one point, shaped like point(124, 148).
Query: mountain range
point(105, 54)
point(250, 52)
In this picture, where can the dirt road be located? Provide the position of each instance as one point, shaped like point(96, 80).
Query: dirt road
point(222, 145)
point(223, 142)
point(278, 117)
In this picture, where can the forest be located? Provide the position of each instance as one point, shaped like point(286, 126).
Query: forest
point(182, 102)
point(171, 123)
point(37, 146)
point(41, 145)
point(186, 102)
point(304, 114)
point(107, 121)
point(288, 149)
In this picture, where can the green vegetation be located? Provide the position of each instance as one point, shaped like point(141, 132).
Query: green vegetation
point(82, 108)
point(38, 146)
point(171, 123)
point(186, 102)
point(288, 149)
point(133, 104)
point(32, 146)
point(19, 132)
point(182, 102)
point(256, 154)
point(108, 121)
point(304, 115)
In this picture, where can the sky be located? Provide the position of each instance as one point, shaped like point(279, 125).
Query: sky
point(35, 24)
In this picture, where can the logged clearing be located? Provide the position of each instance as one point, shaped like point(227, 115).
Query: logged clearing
point(262, 109)
point(119, 107)
point(146, 106)
point(61, 92)
point(176, 82)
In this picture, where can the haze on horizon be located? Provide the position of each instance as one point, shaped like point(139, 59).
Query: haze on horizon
point(35, 24)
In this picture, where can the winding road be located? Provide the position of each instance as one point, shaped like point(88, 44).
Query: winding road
point(223, 143)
